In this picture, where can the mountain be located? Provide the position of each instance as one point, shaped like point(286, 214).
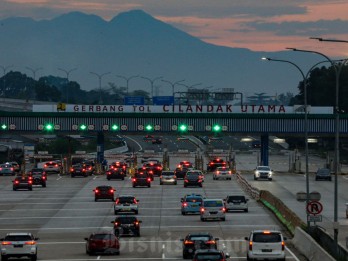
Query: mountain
point(135, 43)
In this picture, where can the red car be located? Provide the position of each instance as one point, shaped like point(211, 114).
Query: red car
point(106, 243)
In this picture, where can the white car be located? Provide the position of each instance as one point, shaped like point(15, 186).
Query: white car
point(263, 172)
point(19, 245)
point(212, 209)
point(236, 202)
point(126, 203)
point(266, 245)
point(51, 167)
point(222, 173)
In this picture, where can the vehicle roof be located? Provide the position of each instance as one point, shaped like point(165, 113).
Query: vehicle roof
point(126, 196)
point(19, 234)
point(104, 186)
point(199, 251)
point(193, 195)
point(200, 234)
point(261, 231)
point(212, 199)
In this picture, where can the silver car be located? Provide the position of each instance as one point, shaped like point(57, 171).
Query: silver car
point(263, 172)
point(222, 173)
point(126, 203)
point(168, 177)
point(236, 202)
point(19, 245)
point(212, 209)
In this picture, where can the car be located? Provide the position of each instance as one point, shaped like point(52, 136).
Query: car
point(168, 177)
point(265, 245)
point(191, 203)
point(263, 172)
point(222, 173)
point(15, 166)
point(148, 138)
point(215, 163)
point(126, 203)
point(149, 160)
point(194, 241)
point(256, 144)
point(19, 245)
point(185, 164)
point(78, 170)
point(193, 178)
point(22, 182)
point(157, 140)
point(104, 192)
point(102, 243)
point(115, 173)
point(89, 166)
point(119, 164)
point(127, 225)
point(156, 168)
point(39, 176)
point(141, 179)
point(52, 167)
point(212, 209)
point(7, 169)
point(323, 174)
point(180, 173)
point(236, 202)
point(148, 171)
point(210, 255)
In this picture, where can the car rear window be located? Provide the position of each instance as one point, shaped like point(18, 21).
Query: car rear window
point(141, 175)
point(168, 173)
point(271, 237)
point(126, 200)
point(236, 199)
point(18, 238)
point(102, 236)
point(104, 188)
point(192, 174)
point(216, 256)
point(126, 220)
point(199, 238)
point(194, 200)
point(213, 203)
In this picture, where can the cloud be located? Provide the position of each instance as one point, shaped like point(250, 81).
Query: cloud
point(320, 27)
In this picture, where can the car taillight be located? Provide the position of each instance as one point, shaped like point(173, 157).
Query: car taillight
point(230, 172)
point(134, 179)
point(202, 210)
point(0, 169)
point(283, 245)
point(30, 243)
point(45, 166)
point(117, 201)
point(135, 201)
point(250, 245)
point(56, 165)
point(83, 170)
point(16, 182)
point(186, 180)
point(111, 191)
point(136, 223)
point(200, 180)
point(223, 209)
point(184, 204)
point(117, 223)
point(96, 191)
point(43, 177)
point(148, 179)
point(174, 176)
point(71, 169)
point(108, 173)
point(5, 243)
point(218, 172)
point(11, 169)
point(210, 242)
point(30, 181)
point(188, 242)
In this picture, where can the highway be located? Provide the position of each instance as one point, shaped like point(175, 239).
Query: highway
point(64, 213)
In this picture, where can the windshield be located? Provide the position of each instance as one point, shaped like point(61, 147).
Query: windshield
point(263, 168)
point(193, 199)
point(126, 200)
point(18, 238)
point(126, 220)
point(209, 257)
point(236, 199)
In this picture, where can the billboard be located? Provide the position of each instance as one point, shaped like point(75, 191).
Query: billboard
point(134, 100)
point(163, 100)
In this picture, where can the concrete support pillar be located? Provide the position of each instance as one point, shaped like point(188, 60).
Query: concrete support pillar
point(264, 149)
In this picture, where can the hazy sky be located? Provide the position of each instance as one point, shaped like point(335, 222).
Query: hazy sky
point(259, 25)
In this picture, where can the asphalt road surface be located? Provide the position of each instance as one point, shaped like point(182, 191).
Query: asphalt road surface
point(64, 213)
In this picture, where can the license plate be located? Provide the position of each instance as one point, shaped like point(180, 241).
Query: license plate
point(215, 212)
point(126, 209)
point(266, 250)
point(194, 205)
point(17, 245)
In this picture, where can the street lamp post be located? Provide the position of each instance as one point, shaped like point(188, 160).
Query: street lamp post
point(67, 72)
point(127, 80)
point(336, 127)
point(4, 68)
point(100, 85)
point(190, 86)
point(173, 84)
point(305, 79)
point(152, 81)
point(33, 71)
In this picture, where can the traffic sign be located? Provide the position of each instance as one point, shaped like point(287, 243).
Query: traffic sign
point(134, 100)
point(314, 207)
point(315, 218)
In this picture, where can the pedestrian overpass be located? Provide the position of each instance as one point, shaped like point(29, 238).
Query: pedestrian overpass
point(178, 119)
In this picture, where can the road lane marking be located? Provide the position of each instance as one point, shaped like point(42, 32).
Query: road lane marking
point(292, 254)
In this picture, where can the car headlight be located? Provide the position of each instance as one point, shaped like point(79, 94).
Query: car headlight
point(270, 174)
point(257, 173)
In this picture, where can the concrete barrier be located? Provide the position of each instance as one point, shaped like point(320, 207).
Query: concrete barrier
point(309, 247)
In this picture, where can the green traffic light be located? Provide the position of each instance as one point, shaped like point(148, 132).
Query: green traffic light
point(4, 127)
point(83, 127)
point(49, 127)
point(114, 127)
point(183, 127)
point(217, 128)
point(149, 127)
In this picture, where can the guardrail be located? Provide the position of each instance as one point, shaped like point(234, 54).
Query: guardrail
point(252, 191)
